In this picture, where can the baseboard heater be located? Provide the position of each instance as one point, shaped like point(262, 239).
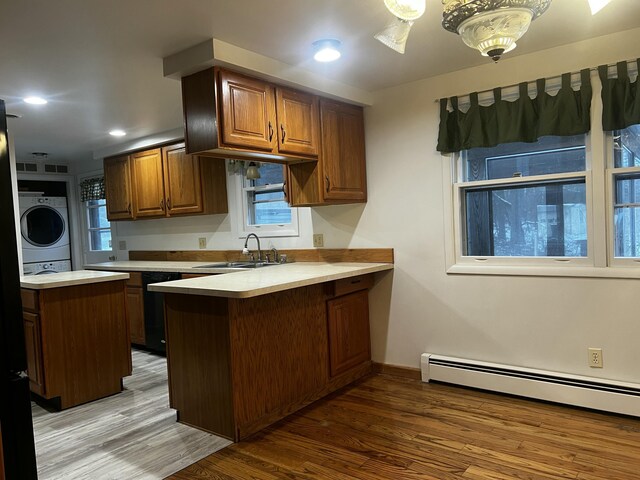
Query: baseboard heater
point(606, 395)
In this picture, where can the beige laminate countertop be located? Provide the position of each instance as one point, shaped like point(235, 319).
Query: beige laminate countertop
point(67, 279)
point(270, 279)
point(160, 266)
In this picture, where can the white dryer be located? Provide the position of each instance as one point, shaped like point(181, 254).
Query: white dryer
point(42, 268)
point(44, 224)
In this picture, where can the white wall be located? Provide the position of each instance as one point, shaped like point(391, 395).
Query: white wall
point(537, 322)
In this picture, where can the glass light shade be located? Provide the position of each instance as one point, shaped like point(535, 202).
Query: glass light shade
point(406, 9)
point(327, 50)
point(597, 5)
point(253, 173)
point(395, 34)
point(495, 32)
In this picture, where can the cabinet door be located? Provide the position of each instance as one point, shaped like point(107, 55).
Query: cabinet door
point(117, 179)
point(343, 154)
point(148, 187)
point(33, 346)
point(348, 321)
point(298, 122)
point(182, 182)
point(248, 112)
point(135, 310)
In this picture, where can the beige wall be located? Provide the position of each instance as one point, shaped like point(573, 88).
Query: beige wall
point(538, 322)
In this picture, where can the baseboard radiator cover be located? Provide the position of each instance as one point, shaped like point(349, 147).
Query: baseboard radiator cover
point(595, 393)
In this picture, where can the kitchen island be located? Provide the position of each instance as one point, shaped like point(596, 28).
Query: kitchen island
point(76, 335)
point(247, 349)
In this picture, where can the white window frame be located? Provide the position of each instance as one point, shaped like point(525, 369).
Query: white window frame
point(267, 230)
point(87, 209)
point(599, 175)
point(93, 256)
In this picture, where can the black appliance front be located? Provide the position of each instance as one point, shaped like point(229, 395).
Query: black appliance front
point(154, 310)
point(19, 454)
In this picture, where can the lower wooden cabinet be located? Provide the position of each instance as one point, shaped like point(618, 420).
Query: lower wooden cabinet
point(33, 346)
point(135, 308)
point(348, 325)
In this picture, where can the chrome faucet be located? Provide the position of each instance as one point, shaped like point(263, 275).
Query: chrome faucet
point(276, 256)
point(245, 250)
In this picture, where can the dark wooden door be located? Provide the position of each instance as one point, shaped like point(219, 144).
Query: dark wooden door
point(148, 185)
point(182, 182)
point(33, 346)
point(298, 122)
point(117, 178)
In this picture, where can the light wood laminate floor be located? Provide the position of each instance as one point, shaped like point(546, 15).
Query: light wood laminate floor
point(131, 435)
point(396, 429)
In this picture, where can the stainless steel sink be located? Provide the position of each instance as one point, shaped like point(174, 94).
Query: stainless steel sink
point(236, 265)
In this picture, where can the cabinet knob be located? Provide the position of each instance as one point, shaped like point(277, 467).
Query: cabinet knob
point(270, 131)
point(284, 133)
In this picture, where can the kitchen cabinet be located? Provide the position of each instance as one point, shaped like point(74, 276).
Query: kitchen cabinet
point(135, 308)
point(339, 176)
point(231, 115)
point(117, 178)
point(166, 182)
point(76, 340)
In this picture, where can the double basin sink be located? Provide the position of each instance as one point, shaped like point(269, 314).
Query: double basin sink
point(236, 265)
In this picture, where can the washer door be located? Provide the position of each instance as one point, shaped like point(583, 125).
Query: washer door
point(42, 226)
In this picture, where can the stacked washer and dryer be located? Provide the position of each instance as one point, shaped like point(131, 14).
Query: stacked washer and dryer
point(44, 224)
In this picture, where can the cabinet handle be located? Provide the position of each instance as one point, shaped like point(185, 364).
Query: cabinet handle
point(328, 182)
point(284, 189)
point(169, 203)
point(284, 133)
point(129, 208)
point(162, 204)
point(270, 131)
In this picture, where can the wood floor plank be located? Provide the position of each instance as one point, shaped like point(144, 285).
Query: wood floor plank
point(389, 428)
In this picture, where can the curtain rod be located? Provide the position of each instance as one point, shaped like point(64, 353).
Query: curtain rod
point(592, 69)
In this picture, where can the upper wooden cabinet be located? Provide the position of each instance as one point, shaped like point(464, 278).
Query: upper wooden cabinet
point(168, 182)
point(117, 178)
point(230, 115)
point(340, 173)
point(248, 112)
point(148, 184)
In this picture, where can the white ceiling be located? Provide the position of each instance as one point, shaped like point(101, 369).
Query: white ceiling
point(100, 62)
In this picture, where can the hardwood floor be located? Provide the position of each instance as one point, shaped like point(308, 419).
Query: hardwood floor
point(391, 428)
point(130, 435)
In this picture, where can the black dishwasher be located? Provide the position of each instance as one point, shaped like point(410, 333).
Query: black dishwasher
point(154, 310)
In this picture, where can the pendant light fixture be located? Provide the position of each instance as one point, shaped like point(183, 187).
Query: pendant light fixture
point(253, 171)
point(396, 33)
point(491, 26)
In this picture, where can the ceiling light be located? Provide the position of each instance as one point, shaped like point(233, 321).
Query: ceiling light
point(35, 101)
point(406, 9)
point(597, 5)
point(491, 26)
point(395, 34)
point(117, 133)
point(327, 50)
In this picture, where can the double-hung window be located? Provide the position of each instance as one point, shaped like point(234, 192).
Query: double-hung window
point(523, 201)
point(264, 207)
point(98, 227)
point(624, 175)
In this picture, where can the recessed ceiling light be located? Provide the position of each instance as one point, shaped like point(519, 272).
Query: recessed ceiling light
point(327, 50)
point(35, 100)
point(117, 133)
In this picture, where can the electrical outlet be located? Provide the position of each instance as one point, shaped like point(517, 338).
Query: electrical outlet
point(595, 357)
point(318, 240)
point(202, 242)
point(122, 245)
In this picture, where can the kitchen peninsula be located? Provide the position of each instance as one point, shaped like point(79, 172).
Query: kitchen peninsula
point(76, 335)
point(247, 349)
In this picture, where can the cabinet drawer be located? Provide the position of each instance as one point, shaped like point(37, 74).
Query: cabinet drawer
point(135, 279)
point(352, 284)
point(29, 300)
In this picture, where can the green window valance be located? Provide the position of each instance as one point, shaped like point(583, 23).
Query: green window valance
point(92, 189)
point(523, 120)
point(620, 98)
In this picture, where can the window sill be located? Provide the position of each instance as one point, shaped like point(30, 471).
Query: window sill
point(546, 271)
